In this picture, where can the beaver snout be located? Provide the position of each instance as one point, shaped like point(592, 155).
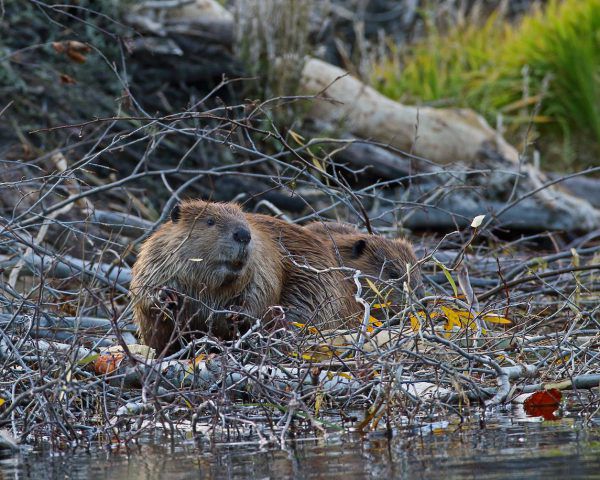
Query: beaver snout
point(242, 235)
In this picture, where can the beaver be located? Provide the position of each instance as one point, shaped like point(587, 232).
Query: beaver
point(375, 256)
point(211, 264)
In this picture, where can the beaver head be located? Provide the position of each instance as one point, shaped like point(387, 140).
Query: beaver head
point(383, 258)
point(215, 242)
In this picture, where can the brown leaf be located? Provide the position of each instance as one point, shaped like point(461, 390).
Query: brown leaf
point(67, 79)
point(76, 56)
point(73, 49)
point(76, 46)
point(59, 47)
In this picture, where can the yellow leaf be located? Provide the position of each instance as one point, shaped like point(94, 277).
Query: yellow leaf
point(373, 287)
point(318, 353)
point(299, 139)
point(2, 401)
point(452, 318)
point(374, 321)
point(318, 164)
point(318, 402)
point(379, 306)
point(562, 360)
point(415, 322)
point(302, 326)
point(447, 275)
point(492, 318)
point(521, 103)
point(199, 359)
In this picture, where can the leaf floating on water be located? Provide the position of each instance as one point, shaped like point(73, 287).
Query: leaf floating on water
point(543, 404)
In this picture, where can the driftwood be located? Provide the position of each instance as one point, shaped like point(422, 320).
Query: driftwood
point(216, 372)
point(93, 331)
point(440, 135)
point(583, 187)
point(66, 266)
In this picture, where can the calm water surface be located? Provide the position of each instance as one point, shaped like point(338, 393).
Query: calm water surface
point(508, 450)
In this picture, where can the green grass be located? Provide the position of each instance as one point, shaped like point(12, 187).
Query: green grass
point(544, 68)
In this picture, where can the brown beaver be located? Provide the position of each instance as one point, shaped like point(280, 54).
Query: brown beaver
point(212, 263)
point(375, 256)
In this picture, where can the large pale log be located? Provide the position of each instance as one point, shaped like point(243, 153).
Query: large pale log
point(440, 135)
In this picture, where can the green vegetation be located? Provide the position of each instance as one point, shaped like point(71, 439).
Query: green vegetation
point(541, 74)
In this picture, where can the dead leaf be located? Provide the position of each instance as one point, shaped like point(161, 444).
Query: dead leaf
point(75, 50)
point(67, 79)
point(543, 404)
point(76, 56)
point(108, 363)
point(59, 47)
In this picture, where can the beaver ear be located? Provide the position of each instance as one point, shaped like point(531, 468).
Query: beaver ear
point(358, 248)
point(175, 213)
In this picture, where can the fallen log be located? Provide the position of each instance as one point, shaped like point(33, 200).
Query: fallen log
point(440, 135)
point(583, 187)
point(66, 266)
point(94, 330)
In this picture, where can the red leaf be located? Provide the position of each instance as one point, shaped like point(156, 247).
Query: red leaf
point(108, 362)
point(543, 404)
point(67, 79)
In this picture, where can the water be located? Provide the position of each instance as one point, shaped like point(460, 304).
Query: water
point(507, 450)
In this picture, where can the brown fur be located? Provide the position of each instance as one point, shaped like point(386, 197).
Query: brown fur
point(375, 256)
point(274, 268)
point(329, 228)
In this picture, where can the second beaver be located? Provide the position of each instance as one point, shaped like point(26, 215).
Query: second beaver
point(212, 263)
point(375, 256)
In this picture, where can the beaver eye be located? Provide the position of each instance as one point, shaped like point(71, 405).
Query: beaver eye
point(210, 221)
point(394, 275)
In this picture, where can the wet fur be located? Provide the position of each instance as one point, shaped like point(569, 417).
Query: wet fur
point(191, 258)
point(375, 256)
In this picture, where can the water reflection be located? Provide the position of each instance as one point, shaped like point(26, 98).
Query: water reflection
point(519, 451)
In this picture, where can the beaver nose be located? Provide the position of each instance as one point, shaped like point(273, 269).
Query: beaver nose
point(242, 235)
